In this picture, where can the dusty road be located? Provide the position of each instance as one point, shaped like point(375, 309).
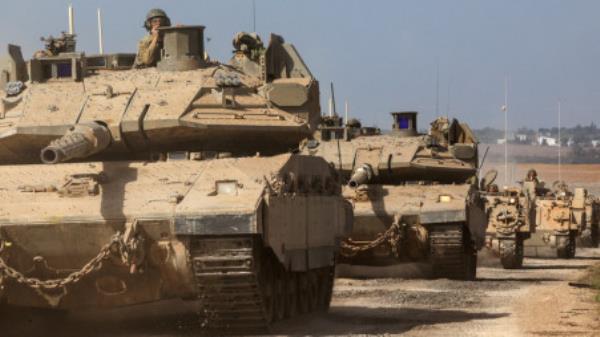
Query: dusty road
point(535, 301)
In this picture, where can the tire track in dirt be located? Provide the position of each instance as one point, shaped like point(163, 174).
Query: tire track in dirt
point(534, 301)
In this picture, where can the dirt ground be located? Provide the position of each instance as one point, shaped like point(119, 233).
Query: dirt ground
point(534, 301)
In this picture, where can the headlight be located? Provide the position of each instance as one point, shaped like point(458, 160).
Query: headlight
point(512, 201)
point(445, 198)
point(227, 187)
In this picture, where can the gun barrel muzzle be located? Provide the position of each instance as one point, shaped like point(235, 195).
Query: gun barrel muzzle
point(83, 140)
point(362, 175)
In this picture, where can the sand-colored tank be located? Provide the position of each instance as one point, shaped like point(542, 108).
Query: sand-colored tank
point(124, 186)
point(511, 219)
point(415, 196)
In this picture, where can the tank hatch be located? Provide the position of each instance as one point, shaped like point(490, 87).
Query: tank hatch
point(183, 48)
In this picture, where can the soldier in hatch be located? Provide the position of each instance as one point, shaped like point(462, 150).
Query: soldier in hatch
point(532, 176)
point(150, 46)
point(539, 188)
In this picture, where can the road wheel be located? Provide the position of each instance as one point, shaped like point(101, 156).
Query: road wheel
point(511, 253)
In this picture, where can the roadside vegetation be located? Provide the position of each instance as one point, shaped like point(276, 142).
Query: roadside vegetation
point(590, 280)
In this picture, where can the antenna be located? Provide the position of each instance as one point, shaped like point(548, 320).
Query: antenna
point(100, 33)
point(448, 98)
point(254, 15)
point(71, 20)
point(346, 111)
point(437, 89)
point(333, 109)
point(559, 145)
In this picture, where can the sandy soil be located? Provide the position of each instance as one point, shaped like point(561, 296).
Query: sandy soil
point(534, 301)
point(573, 173)
point(576, 175)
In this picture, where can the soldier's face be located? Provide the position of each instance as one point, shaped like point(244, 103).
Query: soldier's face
point(156, 22)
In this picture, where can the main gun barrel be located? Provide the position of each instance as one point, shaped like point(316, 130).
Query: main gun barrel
point(83, 140)
point(362, 175)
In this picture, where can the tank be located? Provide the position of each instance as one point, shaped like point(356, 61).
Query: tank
point(415, 196)
point(125, 186)
point(511, 219)
point(560, 217)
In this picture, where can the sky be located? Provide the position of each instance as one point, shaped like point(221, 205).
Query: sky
point(436, 57)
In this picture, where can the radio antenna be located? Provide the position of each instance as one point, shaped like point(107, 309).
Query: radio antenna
point(334, 110)
point(100, 33)
point(254, 16)
point(346, 111)
point(71, 20)
point(437, 89)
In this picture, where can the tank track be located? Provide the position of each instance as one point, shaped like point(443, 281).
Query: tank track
point(227, 283)
point(451, 252)
point(242, 287)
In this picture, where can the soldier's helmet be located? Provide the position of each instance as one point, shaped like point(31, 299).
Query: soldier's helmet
point(531, 175)
point(156, 13)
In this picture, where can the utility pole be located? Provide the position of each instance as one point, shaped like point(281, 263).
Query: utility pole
point(559, 145)
point(505, 109)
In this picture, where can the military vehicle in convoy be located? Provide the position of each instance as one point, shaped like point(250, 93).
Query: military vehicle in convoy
point(123, 186)
point(560, 216)
point(415, 196)
point(590, 237)
point(511, 219)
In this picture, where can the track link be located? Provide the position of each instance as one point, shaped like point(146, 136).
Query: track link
point(243, 288)
point(452, 253)
point(226, 272)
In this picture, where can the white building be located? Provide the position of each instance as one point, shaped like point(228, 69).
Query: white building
point(550, 141)
point(596, 143)
point(521, 137)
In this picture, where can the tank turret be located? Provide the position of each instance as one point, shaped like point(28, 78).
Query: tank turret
point(267, 104)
